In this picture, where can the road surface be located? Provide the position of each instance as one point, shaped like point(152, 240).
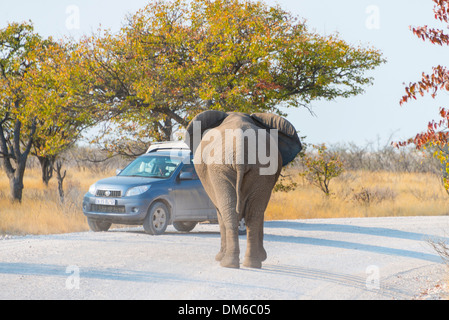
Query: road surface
point(366, 258)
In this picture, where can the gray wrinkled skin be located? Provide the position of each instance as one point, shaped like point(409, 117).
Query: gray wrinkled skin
point(236, 188)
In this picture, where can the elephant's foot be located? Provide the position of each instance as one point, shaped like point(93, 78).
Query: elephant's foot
point(230, 262)
point(255, 261)
point(219, 256)
point(250, 262)
point(263, 255)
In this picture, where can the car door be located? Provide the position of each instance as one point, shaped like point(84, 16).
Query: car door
point(191, 200)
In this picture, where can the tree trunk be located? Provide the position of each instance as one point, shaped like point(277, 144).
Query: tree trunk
point(46, 168)
point(16, 187)
point(15, 176)
point(60, 177)
point(11, 150)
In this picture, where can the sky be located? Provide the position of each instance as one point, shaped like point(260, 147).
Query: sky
point(373, 118)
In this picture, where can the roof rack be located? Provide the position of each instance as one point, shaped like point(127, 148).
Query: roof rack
point(170, 145)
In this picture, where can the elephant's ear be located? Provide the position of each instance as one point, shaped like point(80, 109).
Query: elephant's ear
point(288, 140)
point(202, 122)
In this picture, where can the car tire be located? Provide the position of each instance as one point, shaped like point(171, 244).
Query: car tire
point(98, 225)
point(242, 227)
point(157, 219)
point(185, 226)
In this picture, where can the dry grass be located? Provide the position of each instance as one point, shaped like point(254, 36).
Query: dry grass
point(41, 211)
point(355, 194)
point(363, 194)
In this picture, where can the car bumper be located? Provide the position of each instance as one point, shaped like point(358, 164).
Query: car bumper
point(125, 211)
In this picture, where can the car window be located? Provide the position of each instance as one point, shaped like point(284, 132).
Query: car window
point(152, 166)
point(189, 168)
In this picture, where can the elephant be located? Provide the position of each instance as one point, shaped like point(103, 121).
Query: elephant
point(230, 158)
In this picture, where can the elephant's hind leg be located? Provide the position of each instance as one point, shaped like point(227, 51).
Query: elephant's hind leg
point(255, 252)
point(254, 218)
point(230, 250)
point(226, 204)
point(222, 251)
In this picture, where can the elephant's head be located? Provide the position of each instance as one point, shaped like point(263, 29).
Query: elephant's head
point(288, 141)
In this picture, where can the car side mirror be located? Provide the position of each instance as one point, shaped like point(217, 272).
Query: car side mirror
point(118, 171)
point(186, 176)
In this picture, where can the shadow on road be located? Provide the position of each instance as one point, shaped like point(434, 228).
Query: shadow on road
point(355, 246)
point(374, 231)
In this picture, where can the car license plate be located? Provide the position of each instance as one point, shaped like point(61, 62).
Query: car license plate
point(107, 202)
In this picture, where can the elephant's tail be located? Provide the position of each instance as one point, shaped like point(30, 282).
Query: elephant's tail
point(238, 189)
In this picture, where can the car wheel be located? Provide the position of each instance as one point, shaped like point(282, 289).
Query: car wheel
point(242, 227)
point(98, 225)
point(184, 226)
point(157, 219)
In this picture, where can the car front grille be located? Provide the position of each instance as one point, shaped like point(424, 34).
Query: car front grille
point(107, 209)
point(109, 193)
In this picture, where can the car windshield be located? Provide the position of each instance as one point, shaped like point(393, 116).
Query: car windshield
point(161, 167)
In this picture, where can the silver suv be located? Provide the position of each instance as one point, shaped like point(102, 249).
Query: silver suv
point(155, 190)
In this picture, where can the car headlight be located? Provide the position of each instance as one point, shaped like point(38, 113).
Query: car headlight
point(137, 190)
point(92, 189)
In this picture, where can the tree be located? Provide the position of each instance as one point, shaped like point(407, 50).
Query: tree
point(437, 134)
point(60, 95)
point(321, 167)
point(17, 121)
point(175, 59)
point(43, 109)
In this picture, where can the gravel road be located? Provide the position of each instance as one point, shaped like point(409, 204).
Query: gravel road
point(366, 258)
